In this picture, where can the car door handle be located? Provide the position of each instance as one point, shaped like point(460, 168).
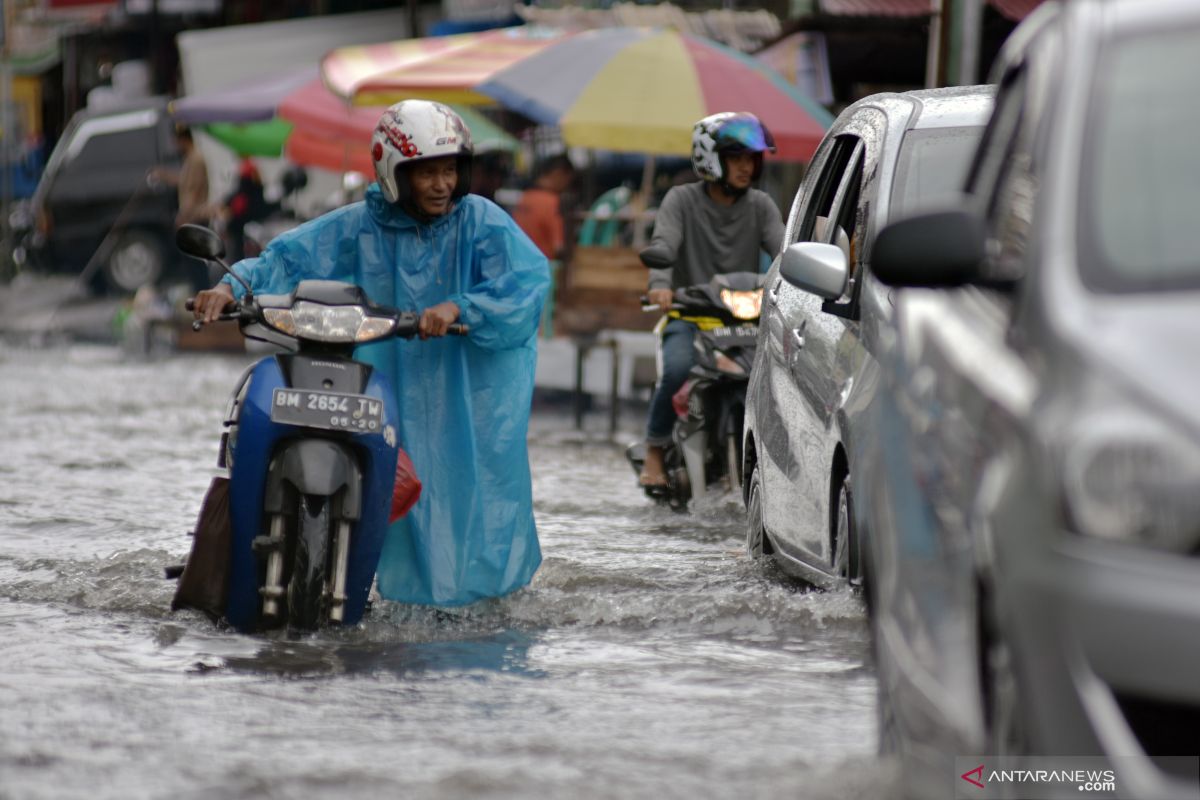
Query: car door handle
point(798, 337)
point(773, 293)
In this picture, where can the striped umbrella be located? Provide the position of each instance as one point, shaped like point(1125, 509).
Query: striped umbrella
point(442, 68)
point(330, 133)
point(297, 115)
point(641, 90)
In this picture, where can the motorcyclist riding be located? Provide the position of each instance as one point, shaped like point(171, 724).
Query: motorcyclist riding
point(419, 241)
point(717, 225)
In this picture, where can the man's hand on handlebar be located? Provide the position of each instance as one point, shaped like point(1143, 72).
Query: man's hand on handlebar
point(209, 303)
point(663, 298)
point(436, 320)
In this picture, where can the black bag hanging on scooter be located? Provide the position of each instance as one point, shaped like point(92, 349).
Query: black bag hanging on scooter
point(205, 579)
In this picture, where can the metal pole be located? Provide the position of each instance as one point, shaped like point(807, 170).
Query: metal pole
point(7, 129)
point(614, 394)
point(969, 28)
point(933, 53)
point(582, 346)
point(414, 20)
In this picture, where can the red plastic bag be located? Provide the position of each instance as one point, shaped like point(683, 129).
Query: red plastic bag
point(407, 488)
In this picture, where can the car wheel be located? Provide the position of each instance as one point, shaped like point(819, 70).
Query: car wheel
point(756, 535)
point(843, 530)
point(136, 261)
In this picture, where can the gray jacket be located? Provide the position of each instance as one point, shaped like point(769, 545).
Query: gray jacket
point(696, 237)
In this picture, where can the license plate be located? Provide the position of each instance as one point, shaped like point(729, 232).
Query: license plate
point(739, 332)
point(330, 410)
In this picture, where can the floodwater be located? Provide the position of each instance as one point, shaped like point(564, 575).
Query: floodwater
point(649, 658)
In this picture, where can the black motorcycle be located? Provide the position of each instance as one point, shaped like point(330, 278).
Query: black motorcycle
point(706, 440)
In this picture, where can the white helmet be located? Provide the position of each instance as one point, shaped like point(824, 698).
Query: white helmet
point(414, 130)
point(728, 132)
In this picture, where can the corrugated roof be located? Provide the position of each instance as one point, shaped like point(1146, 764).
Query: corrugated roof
point(1012, 9)
point(877, 8)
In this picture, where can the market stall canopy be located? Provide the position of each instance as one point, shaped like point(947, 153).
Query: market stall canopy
point(1012, 9)
point(252, 138)
point(243, 117)
point(298, 116)
point(330, 133)
point(642, 90)
point(244, 102)
point(443, 68)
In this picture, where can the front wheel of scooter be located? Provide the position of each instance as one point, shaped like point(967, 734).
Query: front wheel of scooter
point(306, 587)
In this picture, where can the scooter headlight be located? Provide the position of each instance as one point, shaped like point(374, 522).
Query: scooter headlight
point(744, 304)
point(321, 323)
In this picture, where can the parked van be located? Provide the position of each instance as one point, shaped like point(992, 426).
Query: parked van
point(96, 208)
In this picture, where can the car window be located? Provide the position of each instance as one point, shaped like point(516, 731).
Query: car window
point(1002, 177)
point(1140, 186)
point(134, 147)
point(791, 233)
point(839, 223)
point(106, 157)
point(931, 167)
point(998, 136)
point(831, 186)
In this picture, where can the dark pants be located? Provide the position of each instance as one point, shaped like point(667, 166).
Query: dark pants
point(677, 361)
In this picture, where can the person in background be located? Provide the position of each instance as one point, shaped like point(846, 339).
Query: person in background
point(714, 226)
point(190, 181)
point(491, 170)
point(245, 204)
point(539, 213)
point(421, 242)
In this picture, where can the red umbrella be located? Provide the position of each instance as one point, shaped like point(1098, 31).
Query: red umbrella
point(328, 132)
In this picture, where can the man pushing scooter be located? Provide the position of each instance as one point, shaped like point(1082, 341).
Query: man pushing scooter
point(419, 241)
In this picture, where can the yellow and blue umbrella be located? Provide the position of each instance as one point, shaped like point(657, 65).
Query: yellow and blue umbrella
point(641, 90)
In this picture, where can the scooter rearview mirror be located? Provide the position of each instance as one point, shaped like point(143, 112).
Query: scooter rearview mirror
point(205, 244)
point(198, 241)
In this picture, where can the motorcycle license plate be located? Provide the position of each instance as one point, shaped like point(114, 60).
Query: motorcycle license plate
point(739, 332)
point(330, 410)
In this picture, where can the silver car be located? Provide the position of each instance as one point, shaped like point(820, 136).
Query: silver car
point(824, 313)
point(1033, 493)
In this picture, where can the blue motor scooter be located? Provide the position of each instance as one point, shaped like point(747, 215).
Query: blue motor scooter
point(311, 449)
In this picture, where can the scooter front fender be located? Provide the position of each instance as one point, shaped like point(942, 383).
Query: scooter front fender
point(317, 467)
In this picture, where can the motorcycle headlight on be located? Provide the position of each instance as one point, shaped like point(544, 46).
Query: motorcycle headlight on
point(743, 304)
point(322, 323)
point(1131, 479)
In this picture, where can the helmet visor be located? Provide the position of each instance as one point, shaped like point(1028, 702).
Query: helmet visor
point(744, 132)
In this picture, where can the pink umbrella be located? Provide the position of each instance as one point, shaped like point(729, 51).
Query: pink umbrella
point(328, 132)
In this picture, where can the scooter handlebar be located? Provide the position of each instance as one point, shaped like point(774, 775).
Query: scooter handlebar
point(648, 306)
point(406, 327)
point(233, 312)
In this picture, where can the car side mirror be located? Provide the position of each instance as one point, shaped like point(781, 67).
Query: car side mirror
point(940, 249)
point(198, 241)
point(818, 268)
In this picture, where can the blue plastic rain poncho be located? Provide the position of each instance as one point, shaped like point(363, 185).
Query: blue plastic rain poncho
point(463, 402)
